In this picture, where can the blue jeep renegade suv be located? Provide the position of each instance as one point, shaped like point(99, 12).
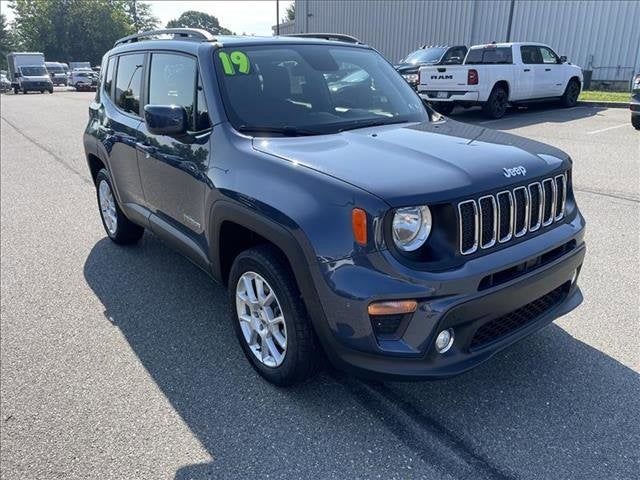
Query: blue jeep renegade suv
point(344, 216)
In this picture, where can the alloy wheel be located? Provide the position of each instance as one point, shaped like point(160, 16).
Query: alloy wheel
point(108, 207)
point(261, 319)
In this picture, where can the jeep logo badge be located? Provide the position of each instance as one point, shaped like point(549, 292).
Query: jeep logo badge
point(512, 172)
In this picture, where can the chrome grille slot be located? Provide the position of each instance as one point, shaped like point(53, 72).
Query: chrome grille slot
point(548, 201)
point(535, 206)
point(488, 223)
point(498, 218)
point(561, 196)
point(521, 200)
point(468, 212)
point(505, 216)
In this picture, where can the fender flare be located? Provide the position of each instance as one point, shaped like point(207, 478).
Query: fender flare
point(300, 257)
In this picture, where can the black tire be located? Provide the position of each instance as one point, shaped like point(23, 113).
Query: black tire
point(443, 108)
point(25, 91)
point(303, 355)
point(571, 93)
point(635, 121)
point(496, 105)
point(50, 90)
point(126, 232)
point(41, 92)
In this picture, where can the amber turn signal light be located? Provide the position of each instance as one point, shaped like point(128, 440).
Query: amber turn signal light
point(395, 307)
point(359, 225)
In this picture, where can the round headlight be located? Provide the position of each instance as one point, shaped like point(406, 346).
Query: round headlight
point(411, 227)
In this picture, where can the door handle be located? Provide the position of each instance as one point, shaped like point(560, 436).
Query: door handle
point(547, 69)
point(146, 148)
point(527, 69)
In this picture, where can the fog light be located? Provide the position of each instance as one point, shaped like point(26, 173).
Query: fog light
point(444, 340)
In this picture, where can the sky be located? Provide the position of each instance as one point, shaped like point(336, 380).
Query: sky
point(250, 17)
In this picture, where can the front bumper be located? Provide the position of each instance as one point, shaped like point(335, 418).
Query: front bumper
point(29, 86)
point(447, 300)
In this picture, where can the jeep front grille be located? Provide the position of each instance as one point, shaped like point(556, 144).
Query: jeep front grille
point(510, 214)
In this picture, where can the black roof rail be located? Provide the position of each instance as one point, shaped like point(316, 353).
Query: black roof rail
point(340, 37)
point(195, 34)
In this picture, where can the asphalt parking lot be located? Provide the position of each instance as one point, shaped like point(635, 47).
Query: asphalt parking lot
point(122, 363)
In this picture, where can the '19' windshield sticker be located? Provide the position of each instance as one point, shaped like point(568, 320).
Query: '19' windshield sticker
point(237, 58)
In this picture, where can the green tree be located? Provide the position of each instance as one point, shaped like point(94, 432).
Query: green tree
point(290, 13)
point(140, 15)
point(77, 30)
point(7, 43)
point(195, 19)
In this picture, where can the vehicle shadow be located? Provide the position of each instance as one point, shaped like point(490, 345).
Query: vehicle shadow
point(517, 117)
point(549, 407)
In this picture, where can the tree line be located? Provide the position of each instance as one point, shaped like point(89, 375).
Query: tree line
point(83, 30)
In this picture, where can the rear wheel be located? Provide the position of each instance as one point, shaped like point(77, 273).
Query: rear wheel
point(269, 317)
point(570, 96)
point(496, 105)
point(118, 227)
point(635, 121)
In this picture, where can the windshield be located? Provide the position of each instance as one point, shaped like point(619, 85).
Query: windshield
point(55, 69)
point(312, 89)
point(35, 71)
point(425, 55)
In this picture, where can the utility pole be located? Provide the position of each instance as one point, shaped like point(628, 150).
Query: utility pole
point(510, 20)
point(277, 17)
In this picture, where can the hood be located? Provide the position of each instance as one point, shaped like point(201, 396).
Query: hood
point(420, 163)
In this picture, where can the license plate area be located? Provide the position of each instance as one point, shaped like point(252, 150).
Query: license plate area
point(442, 95)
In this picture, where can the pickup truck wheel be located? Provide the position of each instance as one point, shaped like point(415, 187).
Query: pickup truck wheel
point(118, 227)
point(270, 319)
point(496, 105)
point(570, 96)
point(443, 108)
point(635, 121)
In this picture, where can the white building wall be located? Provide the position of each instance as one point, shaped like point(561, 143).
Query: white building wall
point(603, 35)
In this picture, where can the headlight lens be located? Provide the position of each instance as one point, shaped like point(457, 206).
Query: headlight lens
point(411, 227)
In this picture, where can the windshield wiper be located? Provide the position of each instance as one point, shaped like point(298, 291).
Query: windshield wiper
point(286, 130)
point(375, 123)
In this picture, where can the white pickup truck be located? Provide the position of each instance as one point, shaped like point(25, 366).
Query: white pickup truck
point(496, 75)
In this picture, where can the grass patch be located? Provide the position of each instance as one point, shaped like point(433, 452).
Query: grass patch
point(601, 96)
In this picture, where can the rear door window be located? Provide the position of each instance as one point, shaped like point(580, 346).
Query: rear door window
point(129, 83)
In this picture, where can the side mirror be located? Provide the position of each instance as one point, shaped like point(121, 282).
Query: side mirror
point(168, 120)
point(563, 59)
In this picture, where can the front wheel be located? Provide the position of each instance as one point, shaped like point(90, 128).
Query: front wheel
point(118, 227)
point(570, 96)
point(269, 318)
point(496, 105)
point(635, 121)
